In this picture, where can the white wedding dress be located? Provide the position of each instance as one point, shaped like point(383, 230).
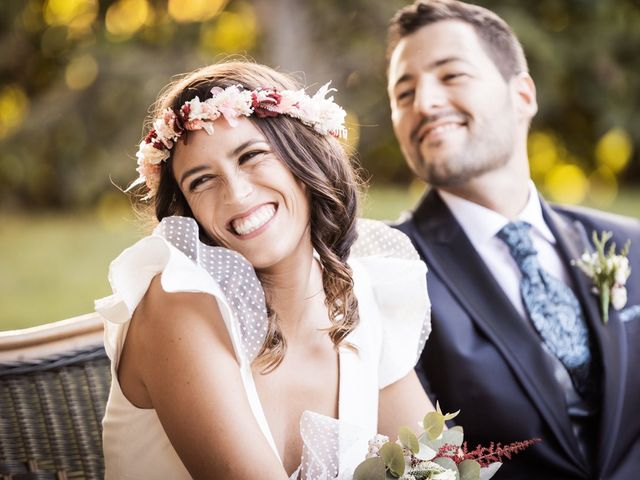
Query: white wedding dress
point(389, 283)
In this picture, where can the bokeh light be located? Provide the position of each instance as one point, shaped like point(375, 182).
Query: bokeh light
point(126, 17)
point(14, 104)
point(194, 10)
point(544, 153)
point(231, 33)
point(566, 183)
point(81, 72)
point(614, 149)
point(76, 15)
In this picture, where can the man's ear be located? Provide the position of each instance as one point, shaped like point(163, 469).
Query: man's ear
point(524, 92)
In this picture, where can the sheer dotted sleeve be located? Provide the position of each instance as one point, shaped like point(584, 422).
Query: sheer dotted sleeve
point(398, 279)
point(188, 265)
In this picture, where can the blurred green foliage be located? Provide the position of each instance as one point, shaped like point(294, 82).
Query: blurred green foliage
point(77, 78)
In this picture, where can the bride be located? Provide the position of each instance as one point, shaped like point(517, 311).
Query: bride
point(261, 331)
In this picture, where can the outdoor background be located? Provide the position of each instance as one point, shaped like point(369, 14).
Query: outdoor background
point(77, 78)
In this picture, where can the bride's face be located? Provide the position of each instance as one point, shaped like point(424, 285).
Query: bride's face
point(244, 197)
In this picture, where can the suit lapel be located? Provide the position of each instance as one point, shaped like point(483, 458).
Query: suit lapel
point(608, 339)
point(448, 252)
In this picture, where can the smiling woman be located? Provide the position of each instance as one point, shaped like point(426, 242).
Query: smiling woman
point(260, 307)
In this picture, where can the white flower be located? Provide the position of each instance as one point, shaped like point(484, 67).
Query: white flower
point(436, 471)
point(446, 475)
point(621, 269)
point(618, 296)
point(164, 128)
point(375, 444)
point(147, 153)
point(587, 263)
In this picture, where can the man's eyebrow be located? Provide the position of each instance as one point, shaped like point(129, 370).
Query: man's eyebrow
point(437, 63)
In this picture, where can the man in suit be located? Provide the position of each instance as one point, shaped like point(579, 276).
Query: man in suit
point(519, 342)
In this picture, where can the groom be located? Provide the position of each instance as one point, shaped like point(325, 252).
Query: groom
point(519, 342)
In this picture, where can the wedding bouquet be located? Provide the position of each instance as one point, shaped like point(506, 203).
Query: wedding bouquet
point(437, 454)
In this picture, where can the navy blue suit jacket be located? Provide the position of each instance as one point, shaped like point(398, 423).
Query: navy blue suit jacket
point(483, 359)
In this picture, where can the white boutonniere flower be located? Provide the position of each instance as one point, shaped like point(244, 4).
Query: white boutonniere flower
point(609, 272)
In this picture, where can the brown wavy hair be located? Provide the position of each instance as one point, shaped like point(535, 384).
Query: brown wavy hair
point(319, 162)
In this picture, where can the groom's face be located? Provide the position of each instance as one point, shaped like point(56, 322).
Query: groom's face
point(452, 110)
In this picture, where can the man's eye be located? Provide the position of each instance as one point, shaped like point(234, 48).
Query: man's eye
point(452, 76)
point(405, 95)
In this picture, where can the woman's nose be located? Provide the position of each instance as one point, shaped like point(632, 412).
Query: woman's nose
point(239, 187)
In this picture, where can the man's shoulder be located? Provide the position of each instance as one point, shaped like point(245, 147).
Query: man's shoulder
point(594, 219)
point(403, 222)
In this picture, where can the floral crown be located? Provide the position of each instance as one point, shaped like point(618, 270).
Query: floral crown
point(317, 112)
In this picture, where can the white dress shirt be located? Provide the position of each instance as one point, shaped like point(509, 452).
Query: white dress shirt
point(481, 226)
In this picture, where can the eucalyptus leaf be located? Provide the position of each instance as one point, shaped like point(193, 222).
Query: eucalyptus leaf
point(425, 452)
point(453, 437)
point(409, 440)
point(469, 470)
point(370, 469)
point(448, 464)
point(434, 444)
point(393, 458)
point(433, 424)
point(487, 472)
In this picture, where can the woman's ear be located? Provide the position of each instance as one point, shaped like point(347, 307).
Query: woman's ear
point(524, 92)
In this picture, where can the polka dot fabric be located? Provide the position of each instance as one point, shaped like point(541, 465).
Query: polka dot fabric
point(376, 239)
point(235, 275)
point(322, 440)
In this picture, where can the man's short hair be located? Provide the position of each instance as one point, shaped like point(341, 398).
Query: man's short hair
point(496, 37)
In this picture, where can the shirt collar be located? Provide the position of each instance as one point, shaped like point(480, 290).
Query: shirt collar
point(481, 224)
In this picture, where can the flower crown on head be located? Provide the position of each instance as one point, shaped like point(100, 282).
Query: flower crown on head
point(320, 113)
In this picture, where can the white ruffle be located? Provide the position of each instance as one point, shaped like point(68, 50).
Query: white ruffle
point(397, 278)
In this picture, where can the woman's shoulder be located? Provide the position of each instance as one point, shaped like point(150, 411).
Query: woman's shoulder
point(166, 271)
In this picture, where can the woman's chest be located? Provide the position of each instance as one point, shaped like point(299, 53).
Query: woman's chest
point(302, 382)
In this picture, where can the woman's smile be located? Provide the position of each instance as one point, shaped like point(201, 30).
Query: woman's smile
point(254, 222)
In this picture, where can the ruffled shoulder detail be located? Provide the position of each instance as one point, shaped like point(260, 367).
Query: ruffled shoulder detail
point(397, 278)
point(187, 265)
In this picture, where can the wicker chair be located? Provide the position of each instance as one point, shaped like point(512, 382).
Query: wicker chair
point(54, 383)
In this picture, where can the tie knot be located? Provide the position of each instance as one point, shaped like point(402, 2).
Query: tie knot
point(516, 236)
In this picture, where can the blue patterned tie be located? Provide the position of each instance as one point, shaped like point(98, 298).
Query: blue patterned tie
point(552, 307)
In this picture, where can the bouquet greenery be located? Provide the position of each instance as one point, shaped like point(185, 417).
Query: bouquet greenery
point(437, 454)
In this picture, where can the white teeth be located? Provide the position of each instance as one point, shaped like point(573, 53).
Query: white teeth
point(444, 128)
point(246, 225)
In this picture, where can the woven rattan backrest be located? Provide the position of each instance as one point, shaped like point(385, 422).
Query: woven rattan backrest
point(51, 406)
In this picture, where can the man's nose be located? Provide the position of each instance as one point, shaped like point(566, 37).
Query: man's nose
point(429, 97)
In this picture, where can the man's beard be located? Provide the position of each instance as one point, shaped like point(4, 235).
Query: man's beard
point(473, 160)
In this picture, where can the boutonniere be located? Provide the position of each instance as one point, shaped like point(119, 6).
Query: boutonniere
point(608, 270)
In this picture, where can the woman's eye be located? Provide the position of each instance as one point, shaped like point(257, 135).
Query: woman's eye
point(199, 181)
point(452, 76)
point(245, 157)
